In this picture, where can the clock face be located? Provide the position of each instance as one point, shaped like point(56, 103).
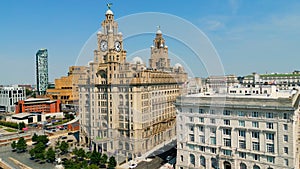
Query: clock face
point(103, 45)
point(118, 46)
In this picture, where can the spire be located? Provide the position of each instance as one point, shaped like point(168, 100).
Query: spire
point(109, 12)
point(158, 30)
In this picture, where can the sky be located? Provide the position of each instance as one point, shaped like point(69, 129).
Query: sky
point(249, 36)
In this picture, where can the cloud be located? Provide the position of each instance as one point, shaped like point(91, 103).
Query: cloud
point(234, 5)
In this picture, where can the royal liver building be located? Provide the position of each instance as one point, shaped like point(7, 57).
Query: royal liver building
point(127, 107)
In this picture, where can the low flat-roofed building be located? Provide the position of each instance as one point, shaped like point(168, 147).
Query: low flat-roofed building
point(28, 118)
point(42, 105)
point(256, 129)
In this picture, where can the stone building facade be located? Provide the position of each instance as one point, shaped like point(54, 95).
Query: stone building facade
point(241, 130)
point(126, 108)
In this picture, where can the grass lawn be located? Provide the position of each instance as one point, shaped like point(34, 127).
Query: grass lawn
point(1, 127)
point(10, 130)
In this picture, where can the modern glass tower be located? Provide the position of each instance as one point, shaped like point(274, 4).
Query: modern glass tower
point(42, 71)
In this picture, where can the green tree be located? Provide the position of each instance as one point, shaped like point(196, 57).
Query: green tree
point(43, 139)
point(32, 152)
point(93, 166)
point(21, 125)
point(81, 153)
point(34, 137)
point(50, 154)
point(103, 159)
point(112, 163)
point(95, 157)
point(39, 151)
point(14, 145)
point(64, 147)
point(21, 145)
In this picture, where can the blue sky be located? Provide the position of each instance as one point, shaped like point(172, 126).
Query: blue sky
point(250, 36)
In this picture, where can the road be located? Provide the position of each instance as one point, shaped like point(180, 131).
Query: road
point(156, 163)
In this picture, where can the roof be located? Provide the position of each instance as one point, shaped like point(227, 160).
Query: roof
point(109, 12)
point(22, 115)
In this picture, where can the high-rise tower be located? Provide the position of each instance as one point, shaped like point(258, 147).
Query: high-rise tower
point(42, 71)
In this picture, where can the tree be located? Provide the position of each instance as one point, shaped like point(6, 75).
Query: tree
point(112, 163)
point(34, 137)
point(14, 145)
point(95, 157)
point(32, 152)
point(93, 166)
point(43, 139)
point(39, 151)
point(103, 159)
point(50, 154)
point(21, 145)
point(21, 125)
point(64, 147)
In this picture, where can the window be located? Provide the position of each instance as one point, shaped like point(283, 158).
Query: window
point(242, 154)
point(213, 130)
point(242, 144)
point(227, 132)
point(270, 136)
point(241, 123)
point(255, 134)
point(286, 138)
point(181, 158)
point(211, 111)
point(242, 133)
point(285, 127)
point(213, 121)
point(201, 111)
point(191, 119)
point(271, 159)
point(213, 150)
point(254, 114)
point(270, 148)
point(256, 157)
point(201, 119)
point(191, 110)
point(227, 152)
point(270, 125)
point(286, 162)
point(227, 142)
point(192, 128)
point(240, 113)
point(286, 150)
point(213, 140)
point(202, 161)
point(202, 139)
point(192, 137)
point(255, 124)
point(192, 159)
point(255, 146)
point(269, 115)
point(201, 128)
point(285, 116)
point(191, 147)
point(226, 122)
point(226, 112)
point(202, 148)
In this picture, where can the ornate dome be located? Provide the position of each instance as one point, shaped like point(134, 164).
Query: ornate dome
point(109, 12)
point(137, 60)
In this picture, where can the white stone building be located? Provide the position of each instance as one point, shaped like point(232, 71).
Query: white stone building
point(240, 130)
point(10, 95)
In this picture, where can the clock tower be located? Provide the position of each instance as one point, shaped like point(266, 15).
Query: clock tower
point(110, 42)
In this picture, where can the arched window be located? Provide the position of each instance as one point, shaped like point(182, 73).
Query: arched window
point(243, 166)
point(256, 167)
point(202, 161)
point(214, 163)
point(192, 159)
